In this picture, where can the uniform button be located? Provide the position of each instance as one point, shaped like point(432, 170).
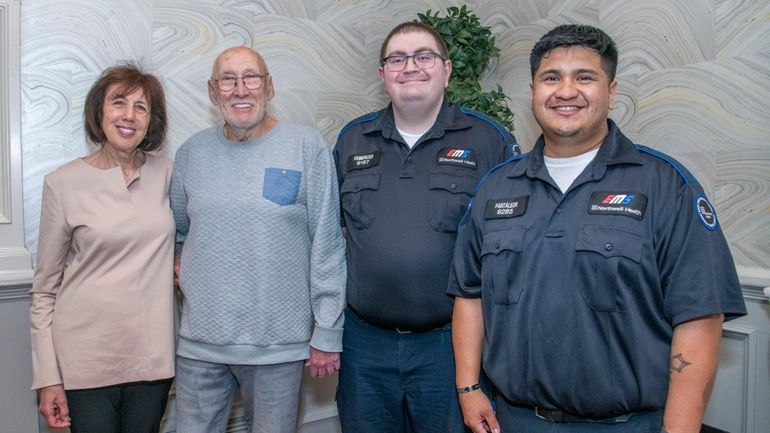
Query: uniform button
point(558, 210)
point(355, 187)
point(453, 186)
point(608, 246)
point(497, 245)
point(283, 171)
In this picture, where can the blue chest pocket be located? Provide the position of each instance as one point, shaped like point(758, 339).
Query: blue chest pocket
point(281, 185)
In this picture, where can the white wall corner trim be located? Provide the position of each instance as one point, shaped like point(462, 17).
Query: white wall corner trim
point(746, 339)
point(755, 281)
point(15, 259)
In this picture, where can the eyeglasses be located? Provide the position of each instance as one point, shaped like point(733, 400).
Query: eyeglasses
point(251, 82)
point(423, 60)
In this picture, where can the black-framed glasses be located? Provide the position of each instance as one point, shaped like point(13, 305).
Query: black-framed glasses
point(423, 60)
point(251, 82)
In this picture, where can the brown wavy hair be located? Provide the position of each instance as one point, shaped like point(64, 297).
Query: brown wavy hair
point(130, 78)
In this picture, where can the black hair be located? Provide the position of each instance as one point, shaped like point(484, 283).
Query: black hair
point(568, 35)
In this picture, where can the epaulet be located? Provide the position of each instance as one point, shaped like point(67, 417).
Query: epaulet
point(484, 178)
point(687, 177)
point(495, 124)
point(363, 119)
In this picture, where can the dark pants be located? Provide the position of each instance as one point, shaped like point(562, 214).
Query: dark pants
point(397, 383)
point(135, 407)
point(515, 419)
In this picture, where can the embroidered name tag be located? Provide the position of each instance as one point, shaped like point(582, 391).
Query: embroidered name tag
point(506, 207)
point(363, 160)
point(628, 204)
point(452, 156)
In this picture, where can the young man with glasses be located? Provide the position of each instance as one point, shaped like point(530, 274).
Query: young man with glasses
point(407, 173)
point(262, 260)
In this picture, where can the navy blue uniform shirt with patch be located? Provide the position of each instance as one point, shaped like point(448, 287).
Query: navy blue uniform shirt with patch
point(401, 208)
point(581, 291)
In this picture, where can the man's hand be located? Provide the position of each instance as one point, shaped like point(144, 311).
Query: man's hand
point(477, 412)
point(321, 363)
point(53, 406)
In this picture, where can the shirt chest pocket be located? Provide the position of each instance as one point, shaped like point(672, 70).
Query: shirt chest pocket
point(359, 196)
point(448, 199)
point(281, 186)
point(502, 273)
point(607, 262)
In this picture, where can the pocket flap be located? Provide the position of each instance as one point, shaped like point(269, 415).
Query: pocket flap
point(361, 182)
point(610, 242)
point(452, 183)
point(510, 239)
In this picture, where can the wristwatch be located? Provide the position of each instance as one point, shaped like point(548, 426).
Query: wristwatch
point(467, 389)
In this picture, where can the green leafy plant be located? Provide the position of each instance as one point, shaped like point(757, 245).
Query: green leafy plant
point(471, 47)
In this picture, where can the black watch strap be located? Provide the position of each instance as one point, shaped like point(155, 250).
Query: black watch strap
point(467, 389)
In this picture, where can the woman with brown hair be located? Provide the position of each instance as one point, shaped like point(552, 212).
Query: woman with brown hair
point(102, 295)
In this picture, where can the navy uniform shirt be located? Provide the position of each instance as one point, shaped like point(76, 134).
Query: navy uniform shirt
point(401, 208)
point(581, 291)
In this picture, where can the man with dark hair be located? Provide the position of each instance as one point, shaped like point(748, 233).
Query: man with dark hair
point(406, 174)
point(591, 272)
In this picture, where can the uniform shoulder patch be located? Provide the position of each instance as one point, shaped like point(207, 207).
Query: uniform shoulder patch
point(706, 213)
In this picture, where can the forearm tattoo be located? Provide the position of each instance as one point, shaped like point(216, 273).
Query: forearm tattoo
point(678, 363)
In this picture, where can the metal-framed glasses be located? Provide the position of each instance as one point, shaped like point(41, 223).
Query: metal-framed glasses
point(251, 82)
point(422, 60)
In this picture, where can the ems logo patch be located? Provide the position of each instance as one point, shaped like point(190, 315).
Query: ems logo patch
point(628, 204)
point(452, 156)
point(363, 160)
point(506, 207)
point(706, 212)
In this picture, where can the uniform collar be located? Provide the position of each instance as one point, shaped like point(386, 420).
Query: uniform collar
point(616, 149)
point(449, 118)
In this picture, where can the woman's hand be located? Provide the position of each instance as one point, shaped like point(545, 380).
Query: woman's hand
point(53, 406)
point(177, 260)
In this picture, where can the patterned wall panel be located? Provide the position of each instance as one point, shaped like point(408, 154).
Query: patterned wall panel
point(65, 44)
point(693, 76)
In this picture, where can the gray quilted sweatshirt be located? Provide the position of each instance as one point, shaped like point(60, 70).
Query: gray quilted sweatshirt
point(263, 260)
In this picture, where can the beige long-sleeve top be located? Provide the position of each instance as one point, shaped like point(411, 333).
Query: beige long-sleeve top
point(102, 295)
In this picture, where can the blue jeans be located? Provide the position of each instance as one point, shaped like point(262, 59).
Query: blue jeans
point(396, 383)
point(135, 407)
point(514, 419)
point(204, 395)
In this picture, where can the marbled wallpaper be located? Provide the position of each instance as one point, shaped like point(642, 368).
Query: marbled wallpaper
point(694, 76)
